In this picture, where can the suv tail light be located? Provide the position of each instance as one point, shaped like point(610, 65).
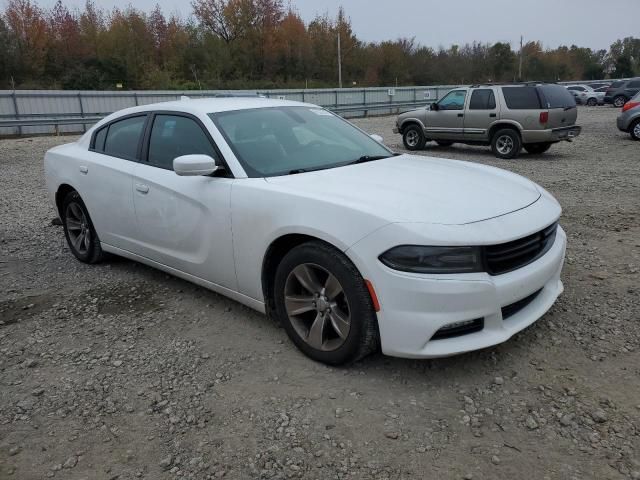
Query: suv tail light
point(544, 117)
point(629, 105)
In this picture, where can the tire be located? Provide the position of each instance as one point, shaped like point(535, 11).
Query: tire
point(537, 148)
point(81, 236)
point(444, 143)
point(592, 102)
point(506, 143)
point(413, 138)
point(634, 130)
point(325, 271)
point(619, 101)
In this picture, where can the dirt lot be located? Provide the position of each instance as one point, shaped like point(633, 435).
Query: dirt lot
point(118, 371)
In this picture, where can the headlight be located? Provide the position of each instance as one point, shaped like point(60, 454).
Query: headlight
point(418, 259)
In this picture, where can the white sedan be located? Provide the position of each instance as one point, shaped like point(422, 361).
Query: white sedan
point(293, 211)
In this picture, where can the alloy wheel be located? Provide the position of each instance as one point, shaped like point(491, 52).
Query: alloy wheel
point(317, 307)
point(636, 130)
point(619, 102)
point(78, 228)
point(504, 144)
point(412, 138)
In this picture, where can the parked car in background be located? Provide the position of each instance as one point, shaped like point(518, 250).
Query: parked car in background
point(293, 211)
point(597, 86)
point(507, 117)
point(629, 120)
point(621, 92)
point(586, 95)
point(602, 89)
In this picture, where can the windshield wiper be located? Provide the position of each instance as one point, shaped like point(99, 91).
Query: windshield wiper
point(368, 158)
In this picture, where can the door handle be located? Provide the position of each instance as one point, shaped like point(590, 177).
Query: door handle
point(84, 170)
point(142, 188)
point(461, 114)
point(492, 115)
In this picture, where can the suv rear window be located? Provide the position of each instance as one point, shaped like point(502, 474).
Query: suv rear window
point(522, 98)
point(556, 96)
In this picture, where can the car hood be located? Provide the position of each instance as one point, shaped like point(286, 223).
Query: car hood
point(410, 188)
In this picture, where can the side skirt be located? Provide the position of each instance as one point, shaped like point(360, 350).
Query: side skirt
point(238, 297)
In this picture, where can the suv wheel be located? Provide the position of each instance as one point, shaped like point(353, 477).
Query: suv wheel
point(413, 138)
point(506, 143)
point(324, 304)
point(537, 148)
point(619, 101)
point(635, 130)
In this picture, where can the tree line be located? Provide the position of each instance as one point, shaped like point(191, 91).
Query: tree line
point(252, 44)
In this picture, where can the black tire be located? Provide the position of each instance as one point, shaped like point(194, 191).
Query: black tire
point(592, 102)
point(634, 130)
point(362, 337)
point(619, 101)
point(90, 250)
point(537, 148)
point(444, 143)
point(413, 138)
point(500, 144)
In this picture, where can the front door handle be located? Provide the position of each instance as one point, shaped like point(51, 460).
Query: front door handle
point(461, 114)
point(142, 188)
point(84, 170)
point(492, 115)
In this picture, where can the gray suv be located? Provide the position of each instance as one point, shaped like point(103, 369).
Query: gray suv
point(507, 117)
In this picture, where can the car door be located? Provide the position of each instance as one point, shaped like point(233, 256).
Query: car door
point(184, 222)
point(481, 113)
point(446, 119)
point(108, 172)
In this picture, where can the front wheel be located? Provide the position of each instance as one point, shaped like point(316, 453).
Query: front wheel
point(537, 148)
point(634, 129)
point(413, 138)
point(324, 304)
point(619, 101)
point(81, 236)
point(506, 143)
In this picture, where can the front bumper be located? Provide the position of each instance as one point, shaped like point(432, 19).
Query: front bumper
point(414, 307)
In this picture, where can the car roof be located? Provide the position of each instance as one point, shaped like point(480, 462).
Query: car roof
point(213, 105)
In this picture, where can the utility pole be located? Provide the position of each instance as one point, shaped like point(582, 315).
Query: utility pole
point(520, 67)
point(339, 63)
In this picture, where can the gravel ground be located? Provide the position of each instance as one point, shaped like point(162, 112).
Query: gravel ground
point(118, 371)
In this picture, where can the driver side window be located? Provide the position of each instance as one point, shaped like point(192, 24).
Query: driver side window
point(453, 100)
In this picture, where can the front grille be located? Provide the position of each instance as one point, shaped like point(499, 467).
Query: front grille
point(459, 328)
point(510, 256)
point(513, 308)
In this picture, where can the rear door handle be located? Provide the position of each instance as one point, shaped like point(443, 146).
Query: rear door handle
point(492, 115)
point(142, 188)
point(84, 170)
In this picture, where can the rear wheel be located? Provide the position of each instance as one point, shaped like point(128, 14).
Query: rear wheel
point(592, 102)
point(444, 143)
point(634, 129)
point(413, 138)
point(81, 236)
point(537, 148)
point(506, 143)
point(619, 101)
point(324, 304)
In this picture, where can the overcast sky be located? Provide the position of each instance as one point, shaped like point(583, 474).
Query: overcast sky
point(589, 23)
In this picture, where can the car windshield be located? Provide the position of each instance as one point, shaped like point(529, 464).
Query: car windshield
point(282, 140)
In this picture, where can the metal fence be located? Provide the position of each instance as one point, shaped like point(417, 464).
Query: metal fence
point(32, 112)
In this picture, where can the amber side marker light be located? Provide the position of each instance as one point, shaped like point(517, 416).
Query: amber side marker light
point(374, 297)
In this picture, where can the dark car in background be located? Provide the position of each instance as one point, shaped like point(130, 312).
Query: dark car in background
point(621, 92)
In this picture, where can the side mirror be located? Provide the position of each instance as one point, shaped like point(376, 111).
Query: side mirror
point(377, 138)
point(435, 107)
point(194, 165)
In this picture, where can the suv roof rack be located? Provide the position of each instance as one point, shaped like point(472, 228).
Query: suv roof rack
point(498, 84)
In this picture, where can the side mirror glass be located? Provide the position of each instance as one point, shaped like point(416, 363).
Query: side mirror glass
point(194, 165)
point(377, 138)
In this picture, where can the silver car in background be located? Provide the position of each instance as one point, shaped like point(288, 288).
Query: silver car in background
point(629, 120)
point(586, 95)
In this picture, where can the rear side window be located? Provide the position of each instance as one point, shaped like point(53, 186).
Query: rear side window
point(98, 143)
point(616, 84)
point(123, 137)
point(634, 84)
point(522, 98)
point(556, 96)
point(483, 99)
point(173, 136)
